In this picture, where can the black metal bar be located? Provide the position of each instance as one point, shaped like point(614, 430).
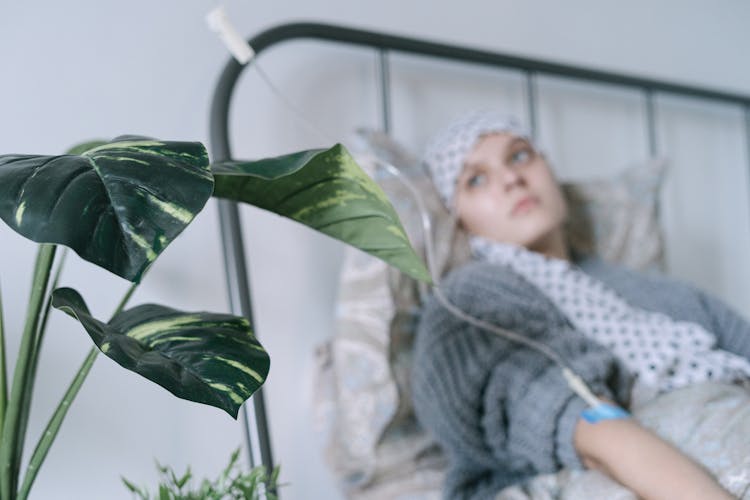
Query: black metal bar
point(531, 105)
point(653, 145)
point(238, 289)
point(373, 39)
point(385, 89)
point(651, 129)
point(746, 110)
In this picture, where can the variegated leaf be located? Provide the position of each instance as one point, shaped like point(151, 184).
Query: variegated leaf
point(81, 148)
point(203, 357)
point(117, 205)
point(327, 191)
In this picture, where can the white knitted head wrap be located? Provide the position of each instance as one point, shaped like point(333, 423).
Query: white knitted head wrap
point(446, 152)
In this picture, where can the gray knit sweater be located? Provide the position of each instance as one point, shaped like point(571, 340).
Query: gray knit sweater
point(503, 412)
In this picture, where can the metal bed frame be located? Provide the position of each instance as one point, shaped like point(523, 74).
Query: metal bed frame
point(235, 261)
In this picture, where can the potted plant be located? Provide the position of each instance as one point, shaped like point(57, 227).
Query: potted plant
point(118, 205)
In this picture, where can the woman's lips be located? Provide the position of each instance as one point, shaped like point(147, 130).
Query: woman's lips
point(524, 204)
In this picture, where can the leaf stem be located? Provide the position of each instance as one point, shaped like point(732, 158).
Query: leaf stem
point(3, 369)
point(124, 300)
point(9, 452)
point(48, 304)
point(45, 317)
point(50, 432)
point(34, 362)
point(53, 426)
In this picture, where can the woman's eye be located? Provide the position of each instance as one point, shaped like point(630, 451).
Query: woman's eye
point(520, 156)
point(476, 180)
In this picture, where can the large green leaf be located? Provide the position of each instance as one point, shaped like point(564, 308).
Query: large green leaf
point(81, 148)
point(117, 205)
point(203, 357)
point(328, 191)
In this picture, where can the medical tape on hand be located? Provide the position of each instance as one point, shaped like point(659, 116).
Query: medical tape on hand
point(604, 411)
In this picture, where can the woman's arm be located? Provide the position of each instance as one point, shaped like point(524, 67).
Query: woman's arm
point(643, 462)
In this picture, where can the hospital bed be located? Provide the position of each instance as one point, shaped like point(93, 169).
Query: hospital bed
point(591, 123)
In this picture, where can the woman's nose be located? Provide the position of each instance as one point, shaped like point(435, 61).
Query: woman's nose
point(509, 177)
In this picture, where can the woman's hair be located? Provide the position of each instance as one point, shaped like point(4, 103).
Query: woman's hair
point(445, 154)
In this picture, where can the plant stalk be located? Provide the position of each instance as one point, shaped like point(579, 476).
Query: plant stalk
point(45, 318)
point(3, 369)
point(50, 432)
point(53, 426)
point(34, 362)
point(9, 457)
point(48, 305)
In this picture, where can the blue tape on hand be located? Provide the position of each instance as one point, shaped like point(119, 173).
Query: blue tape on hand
point(604, 411)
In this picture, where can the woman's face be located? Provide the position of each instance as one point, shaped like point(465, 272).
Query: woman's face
point(506, 192)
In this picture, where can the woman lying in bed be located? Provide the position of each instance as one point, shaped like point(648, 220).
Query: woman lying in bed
point(503, 411)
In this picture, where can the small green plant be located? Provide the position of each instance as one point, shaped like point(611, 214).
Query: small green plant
point(232, 484)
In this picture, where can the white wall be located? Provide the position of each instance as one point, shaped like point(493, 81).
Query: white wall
point(75, 70)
